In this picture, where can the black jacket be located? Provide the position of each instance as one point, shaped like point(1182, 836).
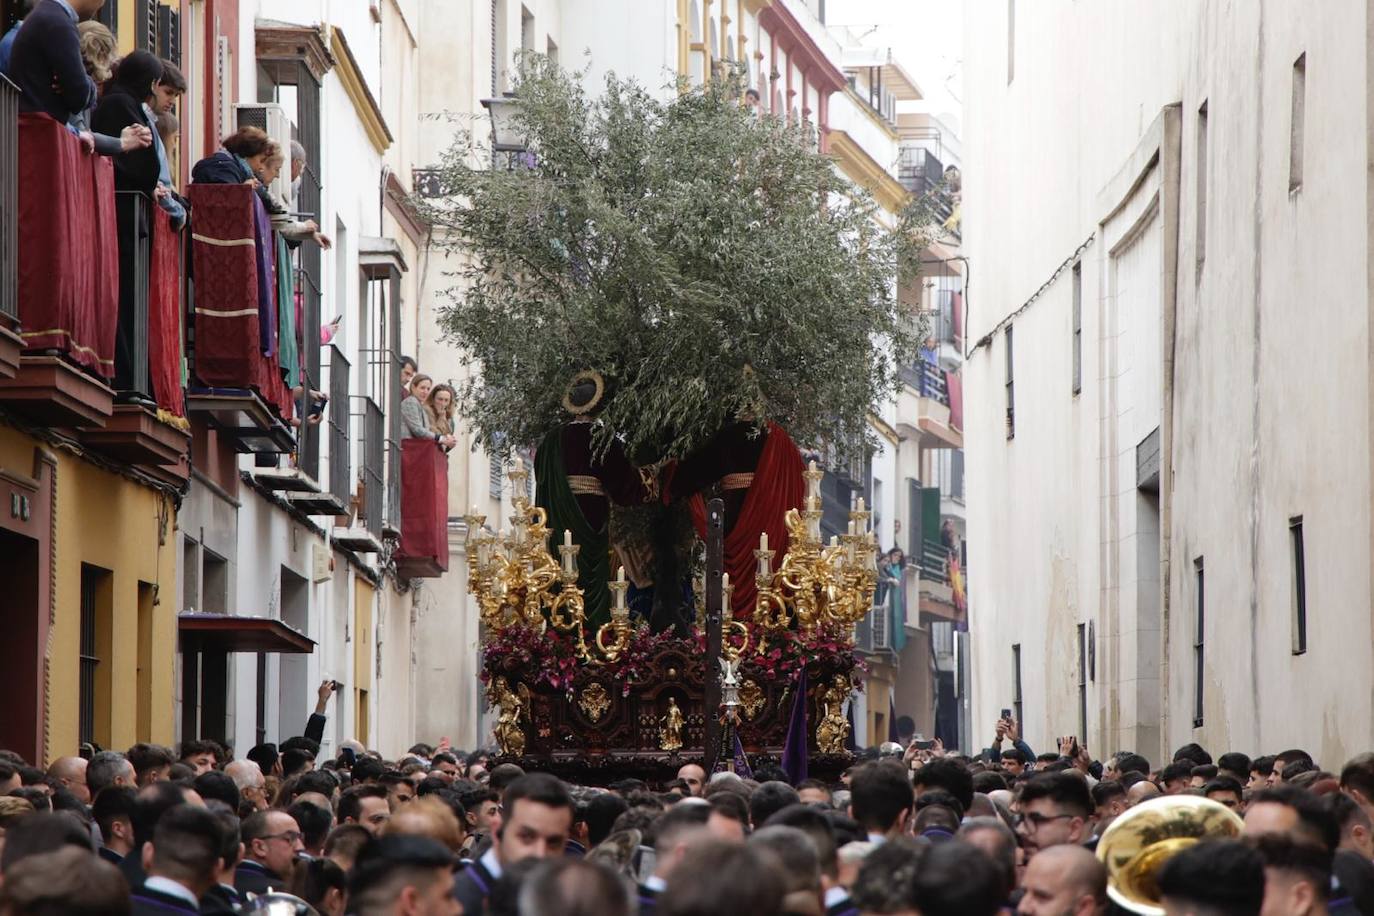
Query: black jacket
point(46, 64)
point(472, 887)
point(121, 106)
point(147, 902)
point(252, 878)
point(220, 901)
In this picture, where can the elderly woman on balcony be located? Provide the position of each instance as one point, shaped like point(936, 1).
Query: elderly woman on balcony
point(415, 416)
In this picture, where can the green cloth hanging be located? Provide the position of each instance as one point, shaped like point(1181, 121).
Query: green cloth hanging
point(288, 353)
point(554, 495)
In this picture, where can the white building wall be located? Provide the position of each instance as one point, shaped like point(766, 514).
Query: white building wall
point(1269, 342)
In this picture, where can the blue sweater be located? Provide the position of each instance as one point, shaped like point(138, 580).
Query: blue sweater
point(47, 54)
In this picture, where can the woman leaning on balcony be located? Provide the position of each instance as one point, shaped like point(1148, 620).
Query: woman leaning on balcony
point(415, 415)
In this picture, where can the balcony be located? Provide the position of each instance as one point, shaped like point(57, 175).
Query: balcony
point(924, 176)
point(236, 375)
point(931, 405)
point(423, 551)
point(59, 276)
point(364, 533)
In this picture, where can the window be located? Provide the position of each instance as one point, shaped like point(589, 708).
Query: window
point(90, 661)
point(1011, 389)
point(526, 30)
point(1295, 127)
point(1077, 327)
point(1299, 586)
point(1011, 41)
point(1083, 683)
point(1199, 614)
point(215, 584)
point(1017, 700)
point(496, 474)
point(1201, 243)
point(551, 50)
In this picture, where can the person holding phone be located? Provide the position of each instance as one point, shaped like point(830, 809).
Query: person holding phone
point(1009, 729)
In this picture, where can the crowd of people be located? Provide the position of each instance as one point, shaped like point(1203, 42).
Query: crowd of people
point(426, 409)
point(439, 831)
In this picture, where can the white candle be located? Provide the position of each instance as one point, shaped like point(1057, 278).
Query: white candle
point(620, 576)
point(861, 504)
point(763, 541)
point(725, 582)
point(834, 540)
point(567, 537)
point(853, 527)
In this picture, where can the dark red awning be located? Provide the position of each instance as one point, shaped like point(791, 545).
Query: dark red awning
point(228, 633)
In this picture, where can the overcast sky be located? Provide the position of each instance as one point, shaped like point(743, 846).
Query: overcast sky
point(925, 35)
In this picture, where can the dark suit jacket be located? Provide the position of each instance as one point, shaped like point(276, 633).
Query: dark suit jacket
point(109, 855)
point(154, 903)
point(252, 878)
point(472, 887)
point(47, 51)
point(220, 901)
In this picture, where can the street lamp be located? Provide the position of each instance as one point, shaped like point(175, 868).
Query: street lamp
point(507, 136)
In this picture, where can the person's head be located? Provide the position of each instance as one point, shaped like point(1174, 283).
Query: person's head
point(1194, 754)
point(956, 879)
point(1292, 811)
point(1284, 758)
point(694, 776)
point(729, 817)
point(881, 797)
point(601, 811)
point(296, 760)
point(9, 777)
point(442, 400)
point(1203, 774)
point(98, 50)
point(42, 831)
point(1261, 769)
point(152, 801)
point(266, 757)
point(483, 807)
point(420, 386)
point(1235, 765)
point(1054, 810)
point(675, 832)
point(408, 370)
point(70, 774)
point(322, 884)
point(299, 160)
point(1176, 778)
point(1064, 880)
point(574, 887)
point(218, 785)
point(1142, 791)
point(108, 768)
point(136, 74)
point(1131, 763)
point(152, 762)
point(814, 792)
point(1357, 829)
point(428, 817)
point(536, 820)
point(249, 781)
point(272, 839)
point(998, 843)
point(403, 875)
point(718, 877)
point(886, 881)
point(113, 811)
point(1014, 761)
point(801, 867)
point(186, 848)
point(819, 828)
point(251, 144)
point(314, 822)
point(365, 806)
point(1357, 781)
point(200, 756)
point(43, 885)
point(344, 843)
point(169, 87)
point(1227, 791)
point(1109, 802)
point(1213, 878)
point(446, 765)
point(769, 798)
point(1297, 875)
point(949, 774)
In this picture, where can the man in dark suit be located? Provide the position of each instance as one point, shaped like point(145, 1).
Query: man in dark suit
point(45, 61)
point(271, 842)
point(182, 864)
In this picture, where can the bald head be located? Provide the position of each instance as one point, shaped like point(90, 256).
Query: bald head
point(1065, 879)
point(1140, 792)
point(70, 773)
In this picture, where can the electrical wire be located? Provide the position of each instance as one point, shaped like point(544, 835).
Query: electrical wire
point(986, 339)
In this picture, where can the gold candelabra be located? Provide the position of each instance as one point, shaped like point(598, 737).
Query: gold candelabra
point(817, 585)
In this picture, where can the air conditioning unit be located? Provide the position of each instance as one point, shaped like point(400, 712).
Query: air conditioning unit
point(271, 118)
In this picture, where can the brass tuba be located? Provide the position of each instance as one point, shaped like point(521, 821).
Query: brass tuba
point(1139, 842)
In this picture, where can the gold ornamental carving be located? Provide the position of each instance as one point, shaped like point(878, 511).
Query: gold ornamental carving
point(595, 702)
point(670, 735)
point(751, 698)
point(834, 727)
point(509, 733)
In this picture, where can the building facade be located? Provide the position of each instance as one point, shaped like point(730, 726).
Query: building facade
point(1155, 199)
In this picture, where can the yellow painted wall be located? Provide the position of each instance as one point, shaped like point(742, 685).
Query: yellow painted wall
point(110, 522)
point(363, 595)
point(878, 686)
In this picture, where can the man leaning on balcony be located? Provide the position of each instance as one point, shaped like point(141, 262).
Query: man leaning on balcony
point(45, 62)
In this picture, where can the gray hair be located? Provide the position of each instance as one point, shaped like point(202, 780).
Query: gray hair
point(104, 768)
point(297, 152)
point(246, 774)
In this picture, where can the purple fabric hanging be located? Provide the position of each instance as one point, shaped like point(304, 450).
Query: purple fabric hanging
point(794, 754)
point(265, 247)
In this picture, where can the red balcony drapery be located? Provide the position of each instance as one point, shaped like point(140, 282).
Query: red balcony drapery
point(164, 315)
point(68, 246)
point(235, 339)
point(424, 502)
point(954, 385)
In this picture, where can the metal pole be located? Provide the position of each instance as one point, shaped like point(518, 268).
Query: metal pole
point(715, 567)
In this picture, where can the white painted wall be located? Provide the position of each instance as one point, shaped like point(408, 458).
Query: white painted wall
point(1270, 395)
